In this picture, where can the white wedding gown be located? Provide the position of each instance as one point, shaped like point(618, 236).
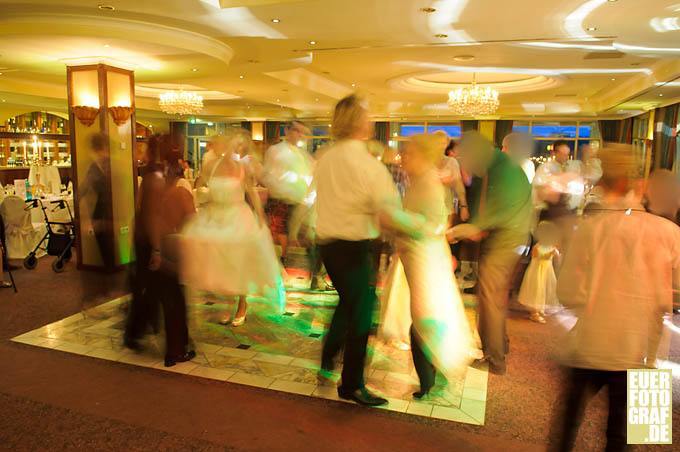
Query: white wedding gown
point(421, 288)
point(225, 250)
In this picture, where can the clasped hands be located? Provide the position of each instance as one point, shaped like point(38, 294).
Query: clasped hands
point(464, 231)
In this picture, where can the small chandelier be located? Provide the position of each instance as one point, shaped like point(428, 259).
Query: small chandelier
point(180, 103)
point(473, 100)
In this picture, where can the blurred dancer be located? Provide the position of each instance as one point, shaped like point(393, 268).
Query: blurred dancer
point(144, 304)
point(288, 173)
point(177, 208)
point(558, 184)
point(353, 190)
point(617, 279)
point(439, 333)
point(232, 237)
point(503, 221)
point(662, 196)
point(450, 176)
point(538, 288)
point(520, 147)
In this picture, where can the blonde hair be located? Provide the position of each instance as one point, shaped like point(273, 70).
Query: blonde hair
point(618, 164)
point(347, 114)
point(429, 146)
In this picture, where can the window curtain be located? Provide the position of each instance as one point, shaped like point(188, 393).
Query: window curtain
point(503, 129)
point(247, 125)
point(271, 132)
point(665, 136)
point(382, 131)
point(626, 131)
point(469, 125)
point(609, 129)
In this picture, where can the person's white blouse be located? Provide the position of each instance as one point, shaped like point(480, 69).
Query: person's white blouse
point(352, 188)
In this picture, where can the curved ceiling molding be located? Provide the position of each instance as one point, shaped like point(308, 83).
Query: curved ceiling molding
point(443, 82)
point(573, 23)
point(447, 13)
point(78, 25)
point(156, 89)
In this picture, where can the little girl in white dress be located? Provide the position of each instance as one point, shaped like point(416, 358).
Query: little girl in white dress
point(539, 286)
point(227, 248)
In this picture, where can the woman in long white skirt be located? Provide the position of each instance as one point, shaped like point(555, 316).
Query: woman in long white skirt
point(421, 299)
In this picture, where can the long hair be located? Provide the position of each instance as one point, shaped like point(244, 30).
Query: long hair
point(347, 114)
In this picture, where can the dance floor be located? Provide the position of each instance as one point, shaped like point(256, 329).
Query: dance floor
point(277, 352)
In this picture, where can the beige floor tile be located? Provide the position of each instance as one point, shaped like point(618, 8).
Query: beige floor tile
point(78, 349)
point(306, 363)
point(251, 380)
point(378, 374)
point(394, 377)
point(474, 394)
point(476, 379)
point(236, 353)
point(398, 405)
point(293, 387)
point(452, 414)
point(212, 373)
point(179, 368)
point(327, 392)
point(419, 408)
point(272, 358)
point(476, 409)
point(106, 353)
point(139, 360)
point(204, 347)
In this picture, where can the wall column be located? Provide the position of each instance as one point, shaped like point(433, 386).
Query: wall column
point(101, 100)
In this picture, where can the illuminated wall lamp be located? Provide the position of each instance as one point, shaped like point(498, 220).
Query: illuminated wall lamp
point(120, 115)
point(86, 115)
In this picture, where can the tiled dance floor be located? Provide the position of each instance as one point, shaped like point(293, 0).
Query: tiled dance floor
point(270, 351)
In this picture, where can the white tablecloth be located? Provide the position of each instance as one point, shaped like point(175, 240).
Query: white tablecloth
point(53, 214)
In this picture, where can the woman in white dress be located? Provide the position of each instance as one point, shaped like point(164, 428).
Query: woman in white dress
point(421, 299)
point(227, 247)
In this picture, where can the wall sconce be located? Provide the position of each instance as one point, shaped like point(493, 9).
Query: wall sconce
point(86, 115)
point(120, 115)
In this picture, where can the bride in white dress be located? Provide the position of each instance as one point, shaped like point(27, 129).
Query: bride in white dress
point(227, 247)
point(421, 299)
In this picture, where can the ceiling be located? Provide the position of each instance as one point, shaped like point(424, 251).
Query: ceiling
point(572, 58)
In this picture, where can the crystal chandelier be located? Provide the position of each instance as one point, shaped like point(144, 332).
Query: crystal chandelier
point(180, 103)
point(473, 100)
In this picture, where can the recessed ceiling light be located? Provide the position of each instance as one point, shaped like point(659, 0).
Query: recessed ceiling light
point(106, 7)
point(428, 10)
point(4, 100)
point(613, 79)
point(107, 46)
point(316, 100)
point(0, 73)
point(193, 69)
point(241, 76)
point(312, 42)
point(353, 85)
point(591, 28)
point(278, 100)
point(660, 95)
point(464, 58)
point(276, 21)
point(441, 35)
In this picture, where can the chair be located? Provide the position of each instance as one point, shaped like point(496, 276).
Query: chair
point(20, 235)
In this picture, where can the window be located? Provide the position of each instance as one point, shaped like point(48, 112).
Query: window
point(452, 130)
point(520, 127)
point(406, 130)
point(553, 130)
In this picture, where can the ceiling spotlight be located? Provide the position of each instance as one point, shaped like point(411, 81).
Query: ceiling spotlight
point(613, 79)
point(427, 10)
point(591, 28)
point(4, 100)
point(278, 100)
point(354, 85)
point(276, 21)
point(193, 69)
point(464, 58)
point(241, 76)
point(316, 100)
point(312, 43)
point(106, 7)
point(660, 95)
point(0, 73)
point(441, 35)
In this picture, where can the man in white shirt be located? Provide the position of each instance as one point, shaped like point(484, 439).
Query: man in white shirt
point(287, 173)
point(557, 184)
point(355, 197)
point(215, 149)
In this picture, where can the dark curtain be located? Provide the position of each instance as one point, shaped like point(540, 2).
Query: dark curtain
point(469, 125)
point(610, 130)
point(626, 131)
point(247, 125)
point(271, 132)
point(503, 129)
point(382, 131)
point(665, 136)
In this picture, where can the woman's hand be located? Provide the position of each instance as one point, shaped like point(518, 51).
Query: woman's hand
point(464, 213)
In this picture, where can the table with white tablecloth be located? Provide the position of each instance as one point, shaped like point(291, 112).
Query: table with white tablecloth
point(47, 176)
point(54, 211)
